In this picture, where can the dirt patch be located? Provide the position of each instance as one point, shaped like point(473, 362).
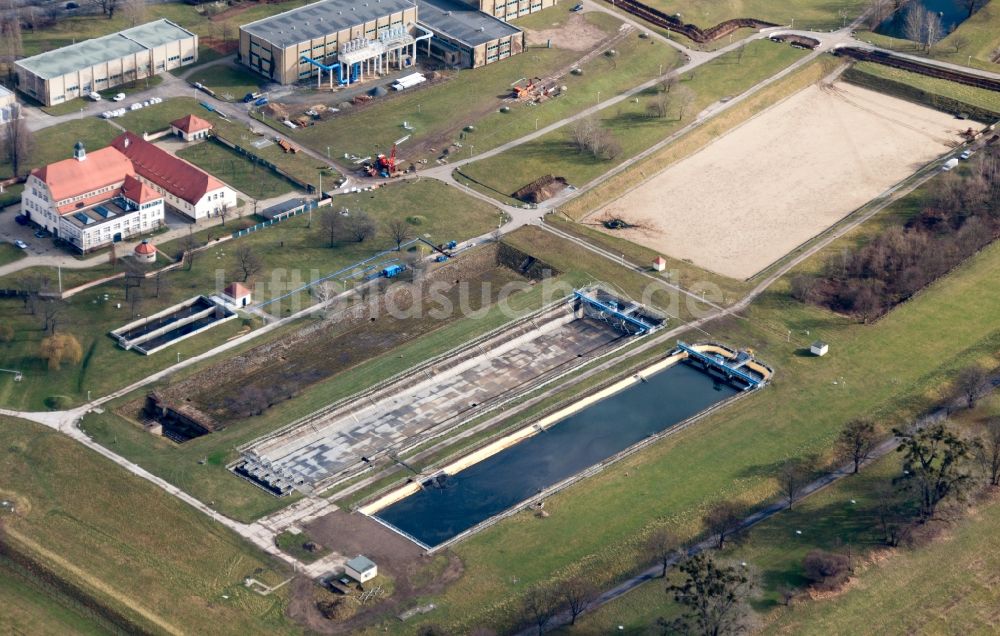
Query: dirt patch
point(753, 195)
point(541, 189)
point(414, 573)
point(577, 34)
point(223, 47)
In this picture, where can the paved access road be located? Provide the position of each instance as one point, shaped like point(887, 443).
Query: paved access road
point(262, 532)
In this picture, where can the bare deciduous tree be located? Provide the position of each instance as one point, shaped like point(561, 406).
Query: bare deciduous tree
point(667, 83)
point(224, 211)
point(683, 98)
point(724, 519)
point(913, 23)
point(51, 314)
point(361, 227)
point(971, 384)
point(857, 441)
point(18, 142)
point(189, 247)
point(107, 7)
point(988, 451)
point(539, 606)
point(660, 105)
point(162, 283)
point(248, 262)
point(400, 231)
point(134, 11)
point(959, 41)
point(577, 594)
point(793, 476)
point(332, 224)
point(933, 29)
point(663, 546)
point(32, 285)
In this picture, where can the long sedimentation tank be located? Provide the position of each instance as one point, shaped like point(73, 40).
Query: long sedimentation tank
point(547, 421)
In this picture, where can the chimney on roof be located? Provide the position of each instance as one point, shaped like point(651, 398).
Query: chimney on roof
point(79, 152)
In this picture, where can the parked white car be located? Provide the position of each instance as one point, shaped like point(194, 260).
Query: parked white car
point(94, 96)
point(119, 97)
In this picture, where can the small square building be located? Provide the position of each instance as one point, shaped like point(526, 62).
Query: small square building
point(237, 294)
point(819, 348)
point(190, 128)
point(659, 264)
point(361, 569)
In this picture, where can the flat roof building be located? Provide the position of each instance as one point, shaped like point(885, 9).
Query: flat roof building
point(467, 37)
point(275, 46)
point(356, 39)
point(102, 63)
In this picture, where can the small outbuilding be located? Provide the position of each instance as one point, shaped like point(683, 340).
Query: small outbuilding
point(190, 128)
point(145, 252)
point(659, 264)
point(819, 348)
point(361, 569)
point(237, 294)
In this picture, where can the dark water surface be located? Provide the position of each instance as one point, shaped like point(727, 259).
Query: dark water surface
point(952, 14)
point(436, 514)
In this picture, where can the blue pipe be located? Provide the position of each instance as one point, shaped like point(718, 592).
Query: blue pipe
point(331, 67)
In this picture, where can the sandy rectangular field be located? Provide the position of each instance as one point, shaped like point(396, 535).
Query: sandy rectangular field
point(751, 196)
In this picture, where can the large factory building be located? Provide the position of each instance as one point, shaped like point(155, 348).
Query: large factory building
point(344, 41)
point(103, 63)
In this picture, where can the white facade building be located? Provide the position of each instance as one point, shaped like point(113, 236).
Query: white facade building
point(190, 190)
point(91, 201)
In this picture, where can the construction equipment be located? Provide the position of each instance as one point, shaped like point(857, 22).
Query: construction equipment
point(526, 90)
point(383, 166)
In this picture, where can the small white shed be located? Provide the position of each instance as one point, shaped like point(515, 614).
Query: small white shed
point(659, 264)
point(361, 569)
point(819, 348)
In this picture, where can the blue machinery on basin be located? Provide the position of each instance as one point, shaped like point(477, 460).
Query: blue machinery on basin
point(612, 310)
point(731, 366)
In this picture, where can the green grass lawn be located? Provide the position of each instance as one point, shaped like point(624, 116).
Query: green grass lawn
point(439, 114)
point(229, 82)
point(11, 195)
point(891, 370)
point(56, 142)
point(30, 608)
point(630, 123)
point(843, 518)
point(10, 253)
point(807, 14)
point(249, 178)
point(159, 116)
point(293, 254)
point(210, 482)
point(933, 86)
point(126, 542)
